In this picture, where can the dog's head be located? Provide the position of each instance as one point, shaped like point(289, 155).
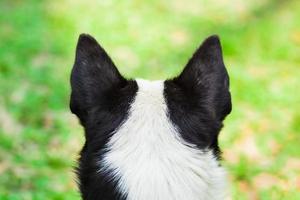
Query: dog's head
point(143, 137)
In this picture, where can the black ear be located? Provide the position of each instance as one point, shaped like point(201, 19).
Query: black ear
point(205, 77)
point(92, 76)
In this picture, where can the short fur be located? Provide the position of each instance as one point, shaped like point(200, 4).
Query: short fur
point(150, 139)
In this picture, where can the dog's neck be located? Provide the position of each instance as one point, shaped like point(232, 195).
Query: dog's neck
point(150, 160)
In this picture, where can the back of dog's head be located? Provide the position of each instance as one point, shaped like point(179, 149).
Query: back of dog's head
point(150, 139)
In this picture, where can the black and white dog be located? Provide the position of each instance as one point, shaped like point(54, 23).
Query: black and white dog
point(150, 140)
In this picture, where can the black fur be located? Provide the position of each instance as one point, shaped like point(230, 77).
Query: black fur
point(198, 100)
point(100, 98)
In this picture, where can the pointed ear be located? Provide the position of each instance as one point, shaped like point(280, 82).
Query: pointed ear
point(206, 78)
point(93, 74)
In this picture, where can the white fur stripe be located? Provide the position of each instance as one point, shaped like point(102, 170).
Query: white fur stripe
point(150, 159)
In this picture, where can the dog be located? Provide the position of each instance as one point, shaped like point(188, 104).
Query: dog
point(150, 140)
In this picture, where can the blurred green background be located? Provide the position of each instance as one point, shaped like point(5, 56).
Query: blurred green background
point(40, 139)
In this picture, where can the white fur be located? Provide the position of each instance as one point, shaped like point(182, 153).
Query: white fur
point(151, 160)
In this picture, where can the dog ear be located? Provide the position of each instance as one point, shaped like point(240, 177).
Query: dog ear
point(93, 74)
point(205, 77)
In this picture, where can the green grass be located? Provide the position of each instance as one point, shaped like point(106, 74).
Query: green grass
point(40, 139)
